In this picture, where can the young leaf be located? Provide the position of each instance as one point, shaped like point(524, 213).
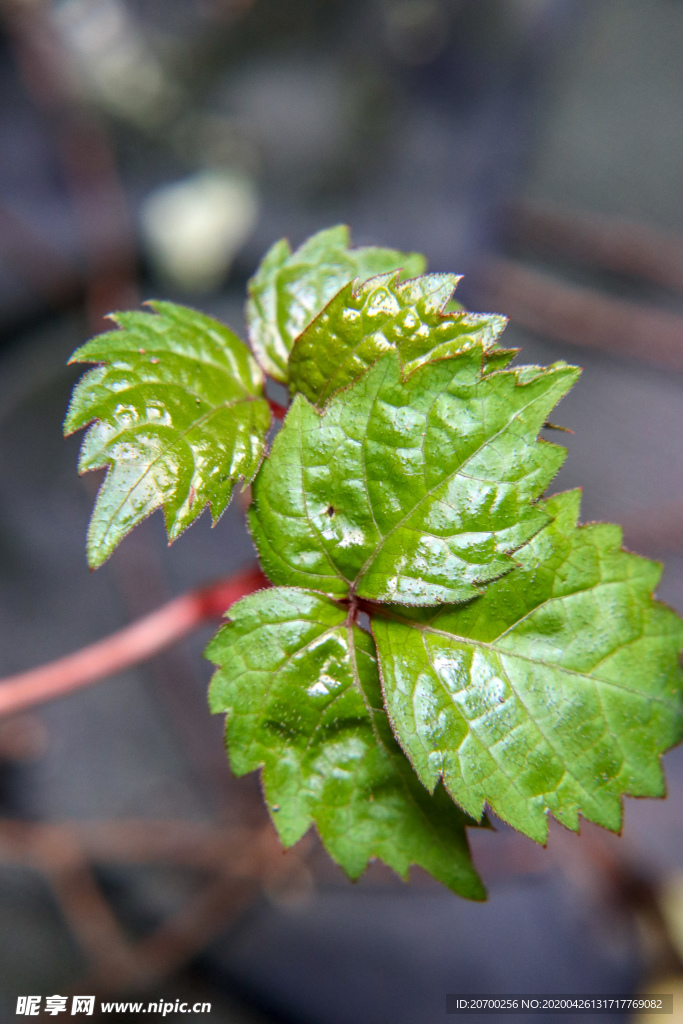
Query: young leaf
point(177, 414)
point(556, 691)
point(360, 324)
point(301, 692)
point(290, 288)
point(414, 491)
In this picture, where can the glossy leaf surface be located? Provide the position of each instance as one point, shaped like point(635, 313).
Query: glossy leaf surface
point(412, 491)
point(289, 288)
point(359, 326)
point(302, 697)
point(556, 691)
point(177, 414)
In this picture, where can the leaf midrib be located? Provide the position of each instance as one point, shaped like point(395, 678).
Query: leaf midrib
point(213, 408)
point(546, 735)
point(513, 781)
point(326, 631)
point(459, 470)
point(180, 435)
point(491, 646)
point(329, 390)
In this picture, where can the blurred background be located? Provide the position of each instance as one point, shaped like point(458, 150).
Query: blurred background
point(157, 149)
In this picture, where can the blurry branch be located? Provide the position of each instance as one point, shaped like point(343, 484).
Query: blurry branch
point(240, 863)
point(87, 159)
point(623, 247)
point(185, 934)
point(128, 646)
point(581, 316)
point(57, 854)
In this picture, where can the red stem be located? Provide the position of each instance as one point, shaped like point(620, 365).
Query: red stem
point(128, 646)
point(278, 411)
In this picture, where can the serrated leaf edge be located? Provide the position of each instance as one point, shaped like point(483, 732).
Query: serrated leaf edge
point(79, 357)
point(356, 286)
point(348, 624)
point(376, 608)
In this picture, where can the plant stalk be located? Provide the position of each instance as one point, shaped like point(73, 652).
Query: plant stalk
point(128, 646)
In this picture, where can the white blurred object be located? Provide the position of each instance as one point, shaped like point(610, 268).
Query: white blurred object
point(193, 228)
point(115, 65)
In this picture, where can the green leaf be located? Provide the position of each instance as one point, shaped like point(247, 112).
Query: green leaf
point(301, 692)
point(556, 691)
point(361, 323)
point(290, 288)
point(414, 491)
point(177, 414)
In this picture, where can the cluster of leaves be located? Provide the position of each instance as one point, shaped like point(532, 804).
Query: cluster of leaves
point(439, 637)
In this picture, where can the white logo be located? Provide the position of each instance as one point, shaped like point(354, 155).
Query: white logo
point(55, 1005)
point(29, 1006)
point(83, 1004)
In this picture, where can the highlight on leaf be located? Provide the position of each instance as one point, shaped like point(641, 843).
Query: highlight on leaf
point(176, 413)
point(299, 685)
point(434, 481)
point(363, 321)
point(554, 692)
point(289, 289)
